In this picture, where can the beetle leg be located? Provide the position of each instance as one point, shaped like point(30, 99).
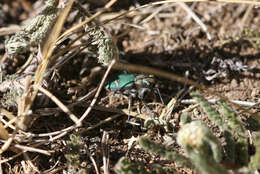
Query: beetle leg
point(129, 107)
point(158, 91)
point(110, 100)
point(142, 92)
point(148, 110)
point(138, 108)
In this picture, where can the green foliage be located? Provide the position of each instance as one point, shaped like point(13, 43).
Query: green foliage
point(165, 152)
point(185, 118)
point(125, 166)
point(230, 148)
point(255, 160)
point(196, 135)
point(202, 147)
point(73, 148)
point(230, 126)
point(204, 150)
point(12, 90)
point(211, 112)
point(252, 124)
point(203, 164)
point(33, 33)
point(10, 98)
point(232, 120)
point(238, 131)
point(253, 36)
point(103, 41)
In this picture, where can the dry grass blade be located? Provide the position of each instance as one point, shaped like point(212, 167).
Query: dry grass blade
point(49, 46)
point(93, 161)
point(196, 18)
point(9, 30)
point(23, 115)
point(48, 50)
point(245, 17)
point(6, 113)
point(10, 158)
point(11, 117)
point(31, 149)
point(6, 145)
point(3, 132)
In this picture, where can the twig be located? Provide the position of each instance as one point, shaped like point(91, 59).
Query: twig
point(10, 158)
point(54, 168)
point(26, 64)
point(30, 149)
point(51, 111)
point(1, 170)
point(196, 18)
point(9, 30)
point(105, 152)
point(245, 17)
point(121, 111)
point(84, 130)
point(92, 160)
point(166, 5)
point(59, 103)
point(27, 158)
point(97, 93)
point(242, 103)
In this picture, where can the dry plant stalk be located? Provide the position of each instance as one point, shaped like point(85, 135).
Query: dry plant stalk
point(47, 51)
point(3, 132)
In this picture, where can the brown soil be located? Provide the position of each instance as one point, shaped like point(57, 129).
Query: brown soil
point(167, 39)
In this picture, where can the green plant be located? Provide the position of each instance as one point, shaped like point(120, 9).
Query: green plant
point(204, 150)
point(202, 147)
point(33, 33)
point(165, 152)
point(125, 166)
point(103, 43)
point(253, 36)
point(74, 146)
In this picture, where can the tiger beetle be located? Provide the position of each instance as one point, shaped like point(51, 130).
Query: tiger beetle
point(133, 86)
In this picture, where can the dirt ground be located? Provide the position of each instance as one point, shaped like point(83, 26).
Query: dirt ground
point(224, 57)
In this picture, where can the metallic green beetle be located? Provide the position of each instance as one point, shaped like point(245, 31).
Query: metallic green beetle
point(131, 85)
